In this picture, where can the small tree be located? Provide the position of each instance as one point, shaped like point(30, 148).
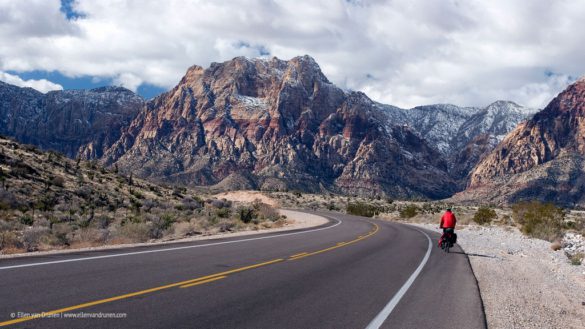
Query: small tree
point(484, 215)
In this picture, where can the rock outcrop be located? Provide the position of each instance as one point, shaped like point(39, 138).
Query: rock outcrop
point(78, 123)
point(277, 125)
point(541, 159)
point(462, 135)
point(264, 124)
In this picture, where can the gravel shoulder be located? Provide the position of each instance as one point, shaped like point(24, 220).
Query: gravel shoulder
point(523, 282)
point(294, 220)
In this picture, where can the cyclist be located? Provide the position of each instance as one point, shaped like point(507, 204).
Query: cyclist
point(448, 222)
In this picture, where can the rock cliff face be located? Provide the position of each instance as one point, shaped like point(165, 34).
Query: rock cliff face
point(268, 124)
point(74, 122)
point(542, 158)
point(276, 124)
point(462, 135)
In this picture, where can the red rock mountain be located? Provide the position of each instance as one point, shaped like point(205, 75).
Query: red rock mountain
point(542, 158)
point(275, 124)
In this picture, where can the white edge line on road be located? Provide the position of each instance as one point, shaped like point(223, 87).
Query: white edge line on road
point(383, 315)
point(169, 249)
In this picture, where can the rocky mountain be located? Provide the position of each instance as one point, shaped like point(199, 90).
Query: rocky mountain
point(275, 124)
point(541, 159)
point(78, 123)
point(463, 135)
point(268, 124)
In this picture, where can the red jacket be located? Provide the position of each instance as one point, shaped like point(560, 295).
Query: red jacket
point(448, 220)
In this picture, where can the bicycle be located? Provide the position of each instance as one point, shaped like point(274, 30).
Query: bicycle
point(447, 241)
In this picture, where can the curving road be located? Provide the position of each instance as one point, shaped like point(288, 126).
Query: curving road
point(350, 273)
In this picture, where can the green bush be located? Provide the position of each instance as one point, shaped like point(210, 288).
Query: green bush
point(246, 214)
point(223, 212)
point(362, 209)
point(26, 220)
point(539, 220)
point(484, 215)
point(409, 211)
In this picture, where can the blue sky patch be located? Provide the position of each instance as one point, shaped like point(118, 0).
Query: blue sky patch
point(67, 9)
point(145, 90)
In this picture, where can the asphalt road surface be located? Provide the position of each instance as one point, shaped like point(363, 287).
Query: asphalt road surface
point(350, 273)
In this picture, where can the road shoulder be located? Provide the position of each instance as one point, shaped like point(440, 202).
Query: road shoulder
point(523, 282)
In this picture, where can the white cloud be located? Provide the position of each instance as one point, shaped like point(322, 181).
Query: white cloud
point(128, 80)
point(406, 53)
point(41, 85)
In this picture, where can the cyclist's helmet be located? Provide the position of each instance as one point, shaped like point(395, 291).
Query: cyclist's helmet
point(448, 208)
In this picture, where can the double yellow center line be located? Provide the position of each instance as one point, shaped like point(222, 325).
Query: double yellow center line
point(187, 283)
point(338, 245)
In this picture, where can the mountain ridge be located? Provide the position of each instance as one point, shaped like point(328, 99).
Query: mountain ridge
point(541, 159)
point(277, 124)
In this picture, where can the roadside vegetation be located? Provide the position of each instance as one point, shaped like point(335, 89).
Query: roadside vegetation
point(540, 220)
point(484, 215)
point(48, 201)
point(535, 219)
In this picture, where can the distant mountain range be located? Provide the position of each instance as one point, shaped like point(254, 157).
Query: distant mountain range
point(267, 124)
point(541, 159)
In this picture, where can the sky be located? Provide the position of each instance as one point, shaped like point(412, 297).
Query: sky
point(404, 53)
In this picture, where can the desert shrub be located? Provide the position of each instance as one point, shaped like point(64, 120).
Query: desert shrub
point(484, 215)
point(21, 170)
point(179, 191)
point(217, 203)
point(26, 219)
point(31, 237)
point(223, 212)
point(576, 259)
point(84, 191)
point(91, 236)
point(9, 240)
point(148, 204)
point(331, 206)
point(103, 221)
point(46, 202)
point(8, 200)
point(265, 211)
point(409, 211)
point(246, 214)
point(136, 194)
point(184, 229)
point(539, 220)
point(57, 181)
point(362, 209)
point(135, 205)
point(191, 204)
point(226, 225)
point(62, 234)
point(159, 224)
point(138, 232)
point(313, 205)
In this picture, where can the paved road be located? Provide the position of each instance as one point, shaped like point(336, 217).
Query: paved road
point(341, 275)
